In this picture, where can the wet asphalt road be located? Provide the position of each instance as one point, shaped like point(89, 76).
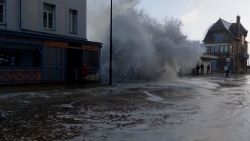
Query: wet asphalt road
point(186, 109)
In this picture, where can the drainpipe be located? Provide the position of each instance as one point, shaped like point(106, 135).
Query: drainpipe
point(20, 14)
point(111, 45)
point(238, 43)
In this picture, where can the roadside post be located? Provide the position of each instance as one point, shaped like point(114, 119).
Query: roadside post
point(228, 60)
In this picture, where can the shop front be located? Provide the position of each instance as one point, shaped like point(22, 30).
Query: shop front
point(20, 63)
point(26, 58)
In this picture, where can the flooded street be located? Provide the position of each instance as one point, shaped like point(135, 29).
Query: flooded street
point(186, 109)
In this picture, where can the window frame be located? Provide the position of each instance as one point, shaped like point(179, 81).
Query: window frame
point(217, 49)
point(48, 13)
point(73, 21)
point(222, 49)
point(242, 39)
point(226, 49)
point(3, 3)
point(208, 49)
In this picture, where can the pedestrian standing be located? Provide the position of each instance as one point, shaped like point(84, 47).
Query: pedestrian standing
point(208, 69)
point(197, 69)
point(226, 69)
point(202, 69)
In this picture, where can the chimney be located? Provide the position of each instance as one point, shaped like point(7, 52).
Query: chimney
point(238, 19)
point(238, 26)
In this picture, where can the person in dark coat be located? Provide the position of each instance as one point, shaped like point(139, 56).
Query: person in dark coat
point(197, 69)
point(202, 69)
point(208, 69)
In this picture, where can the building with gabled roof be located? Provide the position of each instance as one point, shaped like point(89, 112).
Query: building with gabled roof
point(228, 42)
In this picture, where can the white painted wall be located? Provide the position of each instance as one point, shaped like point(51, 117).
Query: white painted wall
point(32, 20)
point(11, 16)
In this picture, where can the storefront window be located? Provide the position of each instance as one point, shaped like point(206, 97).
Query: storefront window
point(7, 59)
point(20, 58)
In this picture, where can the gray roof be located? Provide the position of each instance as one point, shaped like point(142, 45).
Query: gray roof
point(231, 28)
point(226, 24)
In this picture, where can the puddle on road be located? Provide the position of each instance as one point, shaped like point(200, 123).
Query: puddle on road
point(159, 111)
point(153, 98)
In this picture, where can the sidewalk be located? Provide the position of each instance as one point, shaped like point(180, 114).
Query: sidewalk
point(45, 87)
point(220, 75)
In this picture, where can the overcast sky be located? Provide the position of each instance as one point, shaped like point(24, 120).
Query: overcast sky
point(198, 15)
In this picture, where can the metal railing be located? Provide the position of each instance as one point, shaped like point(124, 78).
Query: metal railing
point(93, 74)
point(244, 56)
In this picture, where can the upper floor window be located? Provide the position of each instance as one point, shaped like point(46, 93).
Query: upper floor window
point(242, 39)
point(217, 49)
point(221, 49)
point(212, 49)
point(230, 48)
point(2, 11)
point(49, 16)
point(218, 38)
point(73, 21)
point(226, 49)
point(208, 49)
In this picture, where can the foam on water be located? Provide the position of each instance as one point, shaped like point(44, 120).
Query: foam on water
point(143, 48)
point(152, 97)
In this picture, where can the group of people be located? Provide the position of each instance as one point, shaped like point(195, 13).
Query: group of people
point(200, 69)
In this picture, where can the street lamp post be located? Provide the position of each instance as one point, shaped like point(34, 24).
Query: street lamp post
point(111, 45)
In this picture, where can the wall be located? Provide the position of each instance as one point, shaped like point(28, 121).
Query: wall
point(12, 17)
point(31, 16)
